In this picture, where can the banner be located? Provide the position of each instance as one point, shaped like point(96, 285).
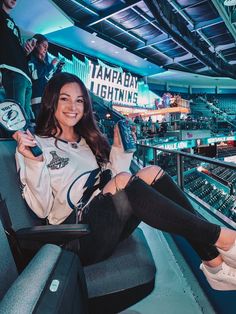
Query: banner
point(113, 84)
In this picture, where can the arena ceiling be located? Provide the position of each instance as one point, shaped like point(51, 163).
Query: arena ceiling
point(194, 36)
point(190, 35)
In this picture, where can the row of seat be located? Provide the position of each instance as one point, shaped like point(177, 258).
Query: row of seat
point(210, 194)
point(224, 152)
point(108, 286)
point(227, 175)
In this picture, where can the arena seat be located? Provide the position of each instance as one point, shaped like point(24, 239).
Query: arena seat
point(53, 282)
point(113, 284)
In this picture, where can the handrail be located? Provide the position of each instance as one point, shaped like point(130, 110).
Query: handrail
point(180, 173)
point(193, 156)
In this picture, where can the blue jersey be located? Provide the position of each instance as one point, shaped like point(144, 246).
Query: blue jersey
point(40, 71)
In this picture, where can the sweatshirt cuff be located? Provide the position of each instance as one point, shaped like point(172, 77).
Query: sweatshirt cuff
point(34, 164)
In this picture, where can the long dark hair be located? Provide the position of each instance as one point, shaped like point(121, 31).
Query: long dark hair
point(48, 126)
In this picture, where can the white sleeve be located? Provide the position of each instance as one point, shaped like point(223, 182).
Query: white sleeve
point(119, 160)
point(35, 179)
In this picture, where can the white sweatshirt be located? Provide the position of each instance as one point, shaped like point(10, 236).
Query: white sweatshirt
point(54, 186)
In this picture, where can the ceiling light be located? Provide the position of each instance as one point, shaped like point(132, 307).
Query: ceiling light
point(145, 59)
point(92, 41)
point(229, 2)
point(124, 48)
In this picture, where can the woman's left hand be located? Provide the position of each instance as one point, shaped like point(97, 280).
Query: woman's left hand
point(116, 139)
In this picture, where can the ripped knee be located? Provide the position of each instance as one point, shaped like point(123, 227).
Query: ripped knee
point(150, 174)
point(121, 180)
point(118, 183)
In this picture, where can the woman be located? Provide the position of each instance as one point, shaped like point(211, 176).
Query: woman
point(64, 183)
point(41, 70)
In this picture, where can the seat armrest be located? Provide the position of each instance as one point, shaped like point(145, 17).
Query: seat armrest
point(56, 234)
point(24, 293)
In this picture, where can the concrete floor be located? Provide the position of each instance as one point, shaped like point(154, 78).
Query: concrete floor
point(176, 290)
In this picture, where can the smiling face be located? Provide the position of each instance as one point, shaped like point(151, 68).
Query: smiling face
point(70, 108)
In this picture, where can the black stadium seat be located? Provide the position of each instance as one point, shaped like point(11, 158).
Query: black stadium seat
point(124, 278)
point(53, 282)
point(114, 284)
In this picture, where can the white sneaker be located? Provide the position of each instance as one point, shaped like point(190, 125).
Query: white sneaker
point(224, 279)
point(229, 256)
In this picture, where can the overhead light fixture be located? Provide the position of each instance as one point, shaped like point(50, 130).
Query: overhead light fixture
point(94, 34)
point(145, 59)
point(229, 3)
point(124, 48)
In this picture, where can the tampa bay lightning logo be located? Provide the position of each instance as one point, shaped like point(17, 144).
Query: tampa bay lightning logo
point(88, 188)
point(10, 115)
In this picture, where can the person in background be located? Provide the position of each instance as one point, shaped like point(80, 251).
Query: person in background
point(149, 123)
point(157, 127)
point(136, 120)
point(163, 127)
point(67, 184)
point(13, 60)
point(41, 70)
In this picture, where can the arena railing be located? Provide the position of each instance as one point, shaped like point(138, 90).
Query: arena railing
point(183, 166)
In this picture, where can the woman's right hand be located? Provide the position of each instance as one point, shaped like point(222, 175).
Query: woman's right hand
point(25, 140)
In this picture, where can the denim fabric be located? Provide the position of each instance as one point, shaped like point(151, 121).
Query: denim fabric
point(18, 88)
point(110, 219)
point(167, 187)
point(162, 213)
point(114, 217)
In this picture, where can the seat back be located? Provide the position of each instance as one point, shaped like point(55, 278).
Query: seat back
point(8, 271)
point(124, 278)
point(10, 188)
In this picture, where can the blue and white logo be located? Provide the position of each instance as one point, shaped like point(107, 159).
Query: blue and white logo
point(10, 115)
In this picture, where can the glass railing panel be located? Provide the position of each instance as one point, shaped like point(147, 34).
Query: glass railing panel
point(209, 182)
point(213, 187)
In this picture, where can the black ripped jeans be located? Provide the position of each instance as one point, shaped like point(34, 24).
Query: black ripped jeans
point(162, 205)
